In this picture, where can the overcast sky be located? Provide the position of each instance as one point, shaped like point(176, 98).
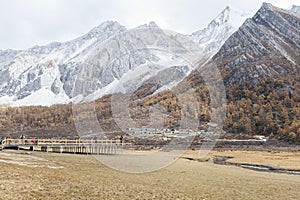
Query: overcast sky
point(25, 23)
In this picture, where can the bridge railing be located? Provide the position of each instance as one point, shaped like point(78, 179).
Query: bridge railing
point(53, 142)
point(10, 142)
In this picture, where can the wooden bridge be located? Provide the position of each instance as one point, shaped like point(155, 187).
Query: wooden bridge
point(80, 146)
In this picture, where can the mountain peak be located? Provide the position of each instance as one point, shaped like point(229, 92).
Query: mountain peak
point(267, 5)
point(295, 10)
point(220, 28)
point(108, 25)
point(152, 24)
point(223, 16)
point(232, 16)
point(225, 12)
point(106, 28)
point(295, 7)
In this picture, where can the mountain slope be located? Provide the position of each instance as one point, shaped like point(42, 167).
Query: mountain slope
point(48, 67)
point(267, 45)
point(260, 65)
point(51, 70)
point(220, 28)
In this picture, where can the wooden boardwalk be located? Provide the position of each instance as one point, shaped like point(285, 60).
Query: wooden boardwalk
point(80, 146)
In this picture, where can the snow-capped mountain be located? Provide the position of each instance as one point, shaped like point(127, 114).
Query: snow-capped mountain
point(45, 75)
point(42, 75)
point(295, 10)
point(265, 46)
point(220, 28)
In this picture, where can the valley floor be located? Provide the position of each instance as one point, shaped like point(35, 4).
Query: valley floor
point(38, 175)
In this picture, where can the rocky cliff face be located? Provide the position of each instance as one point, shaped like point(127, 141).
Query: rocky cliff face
point(267, 45)
point(45, 75)
point(295, 10)
point(48, 70)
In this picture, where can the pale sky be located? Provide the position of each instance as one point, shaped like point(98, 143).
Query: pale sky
point(25, 23)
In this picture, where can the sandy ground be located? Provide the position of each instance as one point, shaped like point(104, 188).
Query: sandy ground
point(38, 175)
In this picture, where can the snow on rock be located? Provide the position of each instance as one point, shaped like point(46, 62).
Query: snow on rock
point(46, 75)
point(43, 97)
point(219, 29)
point(295, 10)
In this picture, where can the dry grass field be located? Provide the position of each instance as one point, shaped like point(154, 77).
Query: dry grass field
point(38, 175)
point(277, 159)
point(283, 160)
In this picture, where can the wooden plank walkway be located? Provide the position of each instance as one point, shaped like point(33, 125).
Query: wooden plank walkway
point(80, 146)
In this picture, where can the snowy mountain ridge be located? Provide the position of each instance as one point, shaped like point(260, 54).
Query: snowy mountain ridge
point(295, 10)
point(220, 28)
point(45, 75)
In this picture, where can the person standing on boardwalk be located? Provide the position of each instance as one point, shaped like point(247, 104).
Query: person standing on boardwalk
point(21, 139)
point(121, 139)
point(7, 138)
point(95, 139)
